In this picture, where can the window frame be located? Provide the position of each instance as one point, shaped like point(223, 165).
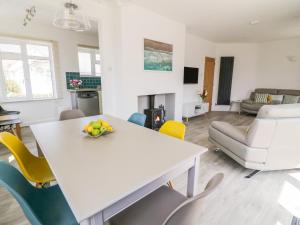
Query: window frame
point(24, 57)
point(93, 51)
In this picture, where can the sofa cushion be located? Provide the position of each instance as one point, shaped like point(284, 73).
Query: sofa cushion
point(270, 91)
point(290, 99)
point(276, 99)
point(236, 132)
point(261, 98)
point(288, 92)
point(250, 105)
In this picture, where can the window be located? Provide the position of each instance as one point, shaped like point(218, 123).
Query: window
point(89, 61)
point(26, 70)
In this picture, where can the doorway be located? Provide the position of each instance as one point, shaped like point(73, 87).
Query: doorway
point(209, 71)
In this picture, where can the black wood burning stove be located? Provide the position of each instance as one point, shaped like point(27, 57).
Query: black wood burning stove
point(155, 116)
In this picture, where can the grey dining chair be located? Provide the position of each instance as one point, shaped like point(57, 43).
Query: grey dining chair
point(71, 114)
point(166, 206)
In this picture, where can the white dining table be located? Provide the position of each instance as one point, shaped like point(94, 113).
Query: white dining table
point(100, 177)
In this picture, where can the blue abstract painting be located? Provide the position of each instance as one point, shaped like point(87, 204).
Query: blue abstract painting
point(157, 56)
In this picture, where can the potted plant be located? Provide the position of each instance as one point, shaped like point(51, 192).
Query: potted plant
point(75, 83)
point(203, 94)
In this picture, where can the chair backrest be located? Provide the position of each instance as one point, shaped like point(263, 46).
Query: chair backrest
point(71, 114)
point(276, 129)
point(138, 118)
point(275, 124)
point(22, 155)
point(173, 128)
point(21, 189)
point(188, 212)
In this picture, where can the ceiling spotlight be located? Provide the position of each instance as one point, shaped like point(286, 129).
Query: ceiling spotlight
point(254, 22)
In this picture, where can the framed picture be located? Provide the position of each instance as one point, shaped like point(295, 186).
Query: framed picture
point(157, 55)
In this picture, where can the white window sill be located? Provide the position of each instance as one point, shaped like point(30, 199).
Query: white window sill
point(28, 100)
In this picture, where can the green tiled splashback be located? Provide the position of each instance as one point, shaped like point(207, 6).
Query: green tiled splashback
point(87, 82)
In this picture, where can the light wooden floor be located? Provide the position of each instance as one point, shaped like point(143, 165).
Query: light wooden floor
point(269, 198)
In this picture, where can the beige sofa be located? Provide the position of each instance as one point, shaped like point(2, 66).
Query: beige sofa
point(271, 142)
point(250, 106)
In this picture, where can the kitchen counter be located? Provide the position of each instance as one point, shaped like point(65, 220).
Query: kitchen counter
point(83, 89)
point(83, 99)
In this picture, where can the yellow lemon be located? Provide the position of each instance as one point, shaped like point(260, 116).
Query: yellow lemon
point(86, 128)
point(96, 125)
point(95, 132)
point(100, 121)
point(109, 129)
point(90, 129)
point(105, 124)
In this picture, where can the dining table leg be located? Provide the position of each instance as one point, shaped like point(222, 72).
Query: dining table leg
point(94, 220)
point(192, 183)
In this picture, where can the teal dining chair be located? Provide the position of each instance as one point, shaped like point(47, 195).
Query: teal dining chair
point(138, 118)
point(41, 206)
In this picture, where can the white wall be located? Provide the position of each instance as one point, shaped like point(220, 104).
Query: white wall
point(196, 49)
point(245, 71)
point(136, 24)
point(67, 41)
point(275, 70)
point(259, 65)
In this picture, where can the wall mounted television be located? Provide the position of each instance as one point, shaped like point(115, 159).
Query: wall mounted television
point(190, 75)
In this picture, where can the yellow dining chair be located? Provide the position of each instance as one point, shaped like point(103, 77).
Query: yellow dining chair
point(35, 169)
point(175, 129)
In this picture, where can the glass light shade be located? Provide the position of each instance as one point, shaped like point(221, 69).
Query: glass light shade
point(71, 20)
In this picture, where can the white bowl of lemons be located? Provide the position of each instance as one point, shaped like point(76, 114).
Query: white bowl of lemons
point(97, 128)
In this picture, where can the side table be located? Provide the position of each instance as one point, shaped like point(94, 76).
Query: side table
point(236, 102)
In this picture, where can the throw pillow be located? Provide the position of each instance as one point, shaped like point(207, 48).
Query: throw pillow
point(261, 98)
point(277, 99)
point(269, 99)
point(290, 99)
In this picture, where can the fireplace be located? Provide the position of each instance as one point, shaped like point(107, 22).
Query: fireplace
point(155, 116)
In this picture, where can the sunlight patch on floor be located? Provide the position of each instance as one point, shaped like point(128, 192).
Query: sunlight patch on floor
point(290, 198)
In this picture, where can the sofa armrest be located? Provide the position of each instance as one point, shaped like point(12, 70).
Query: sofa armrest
point(248, 101)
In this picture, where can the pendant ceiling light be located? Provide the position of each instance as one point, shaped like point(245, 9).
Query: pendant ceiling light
point(70, 19)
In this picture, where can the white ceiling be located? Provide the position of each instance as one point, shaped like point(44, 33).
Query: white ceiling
point(45, 13)
point(228, 20)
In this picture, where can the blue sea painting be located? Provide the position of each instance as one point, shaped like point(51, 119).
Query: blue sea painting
point(157, 55)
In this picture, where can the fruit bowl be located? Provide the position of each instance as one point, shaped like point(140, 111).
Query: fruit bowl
point(96, 136)
point(97, 128)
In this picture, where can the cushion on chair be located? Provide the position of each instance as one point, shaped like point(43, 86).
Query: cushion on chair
point(236, 132)
point(152, 209)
